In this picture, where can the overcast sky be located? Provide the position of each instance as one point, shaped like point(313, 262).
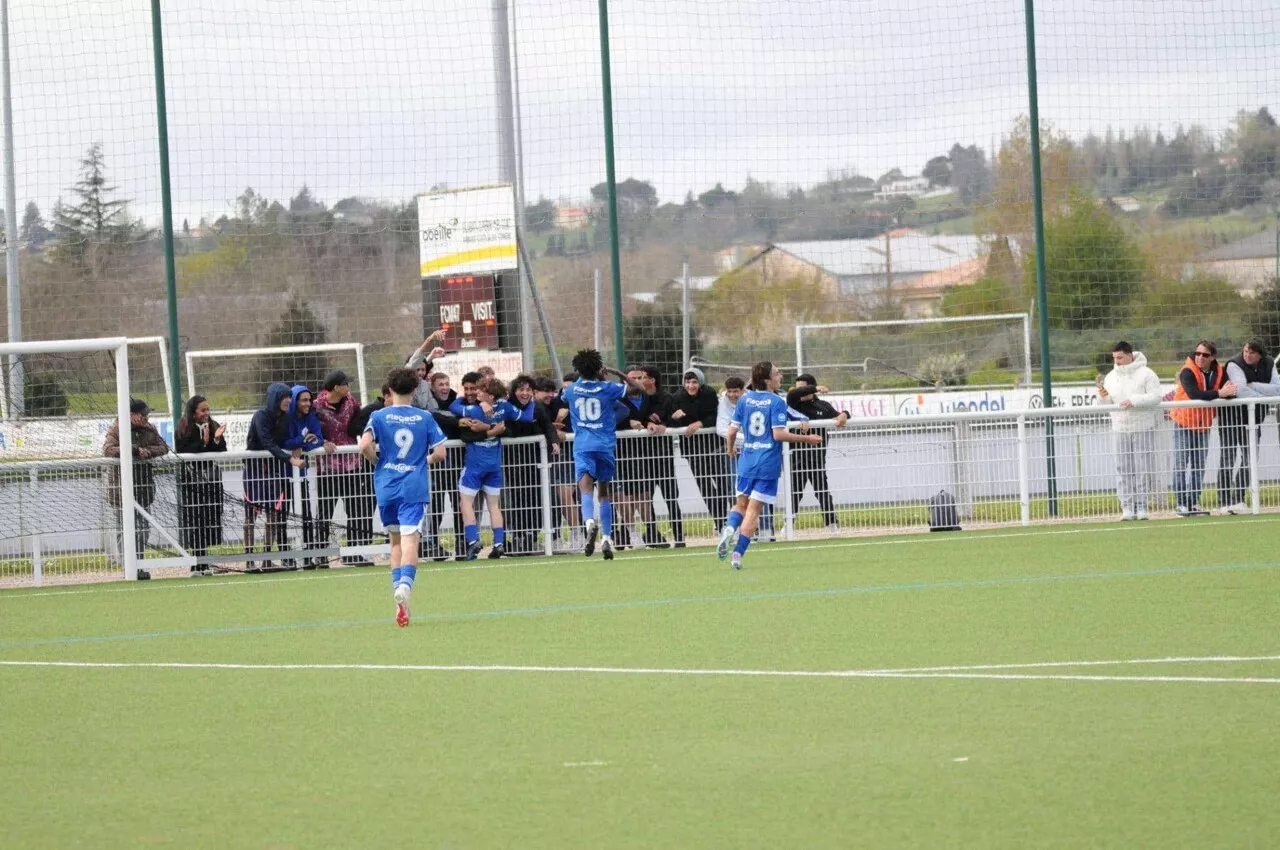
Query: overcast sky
point(384, 98)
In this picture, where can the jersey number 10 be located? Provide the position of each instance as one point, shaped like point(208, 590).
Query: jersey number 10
point(588, 409)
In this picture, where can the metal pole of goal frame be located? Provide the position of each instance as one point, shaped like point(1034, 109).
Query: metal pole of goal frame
point(16, 403)
point(611, 180)
point(595, 313)
point(685, 335)
point(166, 210)
point(1042, 288)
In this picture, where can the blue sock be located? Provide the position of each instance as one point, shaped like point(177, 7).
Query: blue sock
point(499, 536)
point(606, 517)
point(743, 542)
point(735, 519)
point(472, 533)
point(408, 574)
point(395, 575)
point(588, 506)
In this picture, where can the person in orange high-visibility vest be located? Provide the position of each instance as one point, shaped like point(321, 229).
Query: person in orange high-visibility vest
point(1201, 379)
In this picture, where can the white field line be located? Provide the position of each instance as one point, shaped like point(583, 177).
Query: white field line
point(566, 560)
point(909, 673)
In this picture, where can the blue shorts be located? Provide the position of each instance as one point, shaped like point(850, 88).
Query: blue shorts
point(599, 465)
point(475, 480)
point(403, 517)
point(760, 489)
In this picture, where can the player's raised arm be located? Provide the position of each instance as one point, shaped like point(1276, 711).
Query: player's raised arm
point(437, 454)
point(632, 386)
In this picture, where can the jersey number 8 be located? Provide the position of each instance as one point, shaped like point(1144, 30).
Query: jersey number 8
point(755, 424)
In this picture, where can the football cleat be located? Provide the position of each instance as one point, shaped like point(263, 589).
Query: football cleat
point(496, 552)
point(606, 549)
point(726, 542)
point(593, 531)
point(736, 561)
point(402, 605)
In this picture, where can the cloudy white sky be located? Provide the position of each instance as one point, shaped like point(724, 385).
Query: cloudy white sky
point(384, 98)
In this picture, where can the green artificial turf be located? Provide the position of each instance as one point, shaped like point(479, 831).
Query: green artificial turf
point(651, 710)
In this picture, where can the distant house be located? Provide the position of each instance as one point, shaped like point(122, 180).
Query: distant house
point(911, 187)
point(912, 267)
point(728, 259)
point(1247, 263)
point(572, 218)
point(1125, 204)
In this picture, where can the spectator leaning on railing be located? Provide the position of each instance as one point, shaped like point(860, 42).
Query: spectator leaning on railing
point(360, 527)
point(147, 444)
point(809, 463)
point(693, 411)
point(199, 482)
point(1132, 386)
point(1201, 379)
point(305, 435)
point(339, 478)
point(1254, 376)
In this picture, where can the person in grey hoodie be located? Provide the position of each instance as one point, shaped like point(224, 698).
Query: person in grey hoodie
point(1135, 389)
point(421, 361)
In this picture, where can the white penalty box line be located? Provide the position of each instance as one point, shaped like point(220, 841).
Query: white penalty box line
point(979, 671)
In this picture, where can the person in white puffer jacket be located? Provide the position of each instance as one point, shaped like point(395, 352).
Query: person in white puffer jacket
point(1136, 390)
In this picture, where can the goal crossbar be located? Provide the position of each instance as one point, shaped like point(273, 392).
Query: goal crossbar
point(208, 353)
point(1025, 318)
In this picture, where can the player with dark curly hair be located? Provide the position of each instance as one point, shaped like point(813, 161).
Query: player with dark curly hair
point(591, 401)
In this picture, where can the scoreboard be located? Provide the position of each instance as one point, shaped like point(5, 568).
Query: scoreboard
point(468, 312)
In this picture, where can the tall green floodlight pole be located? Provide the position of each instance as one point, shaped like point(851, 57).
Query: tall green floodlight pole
point(611, 179)
point(166, 204)
point(1042, 289)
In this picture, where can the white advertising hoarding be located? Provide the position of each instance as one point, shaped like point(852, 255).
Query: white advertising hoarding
point(467, 231)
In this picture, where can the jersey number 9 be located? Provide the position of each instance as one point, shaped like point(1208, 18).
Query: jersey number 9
point(404, 439)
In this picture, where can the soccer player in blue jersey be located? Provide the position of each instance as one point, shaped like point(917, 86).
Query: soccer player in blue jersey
point(591, 402)
point(401, 441)
point(482, 463)
point(761, 415)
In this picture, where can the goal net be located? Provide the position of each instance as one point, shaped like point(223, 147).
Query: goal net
point(67, 499)
point(940, 353)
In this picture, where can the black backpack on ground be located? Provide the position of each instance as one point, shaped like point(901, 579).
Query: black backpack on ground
point(943, 515)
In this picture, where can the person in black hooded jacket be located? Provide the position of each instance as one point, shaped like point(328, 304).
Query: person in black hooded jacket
point(809, 463)
point(692, 413)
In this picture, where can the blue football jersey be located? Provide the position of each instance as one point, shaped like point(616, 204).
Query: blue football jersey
point(756, 415)
point(405, 436)
point(591, 410)
point(485, 455)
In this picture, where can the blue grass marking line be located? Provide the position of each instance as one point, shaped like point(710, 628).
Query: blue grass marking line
point(647, 603)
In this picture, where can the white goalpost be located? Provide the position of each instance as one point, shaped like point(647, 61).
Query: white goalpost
point(70, 511)
point(1022, 318)
point(215, 353)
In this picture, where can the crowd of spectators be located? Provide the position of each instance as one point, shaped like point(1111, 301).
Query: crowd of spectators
point(293, 431)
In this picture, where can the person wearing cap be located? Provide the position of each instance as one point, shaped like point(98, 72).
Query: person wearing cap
point(809, 463)
point(339, 477)
point(1135, 389)
point(692, 413)
point(1254, 376)
point(147, 444)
